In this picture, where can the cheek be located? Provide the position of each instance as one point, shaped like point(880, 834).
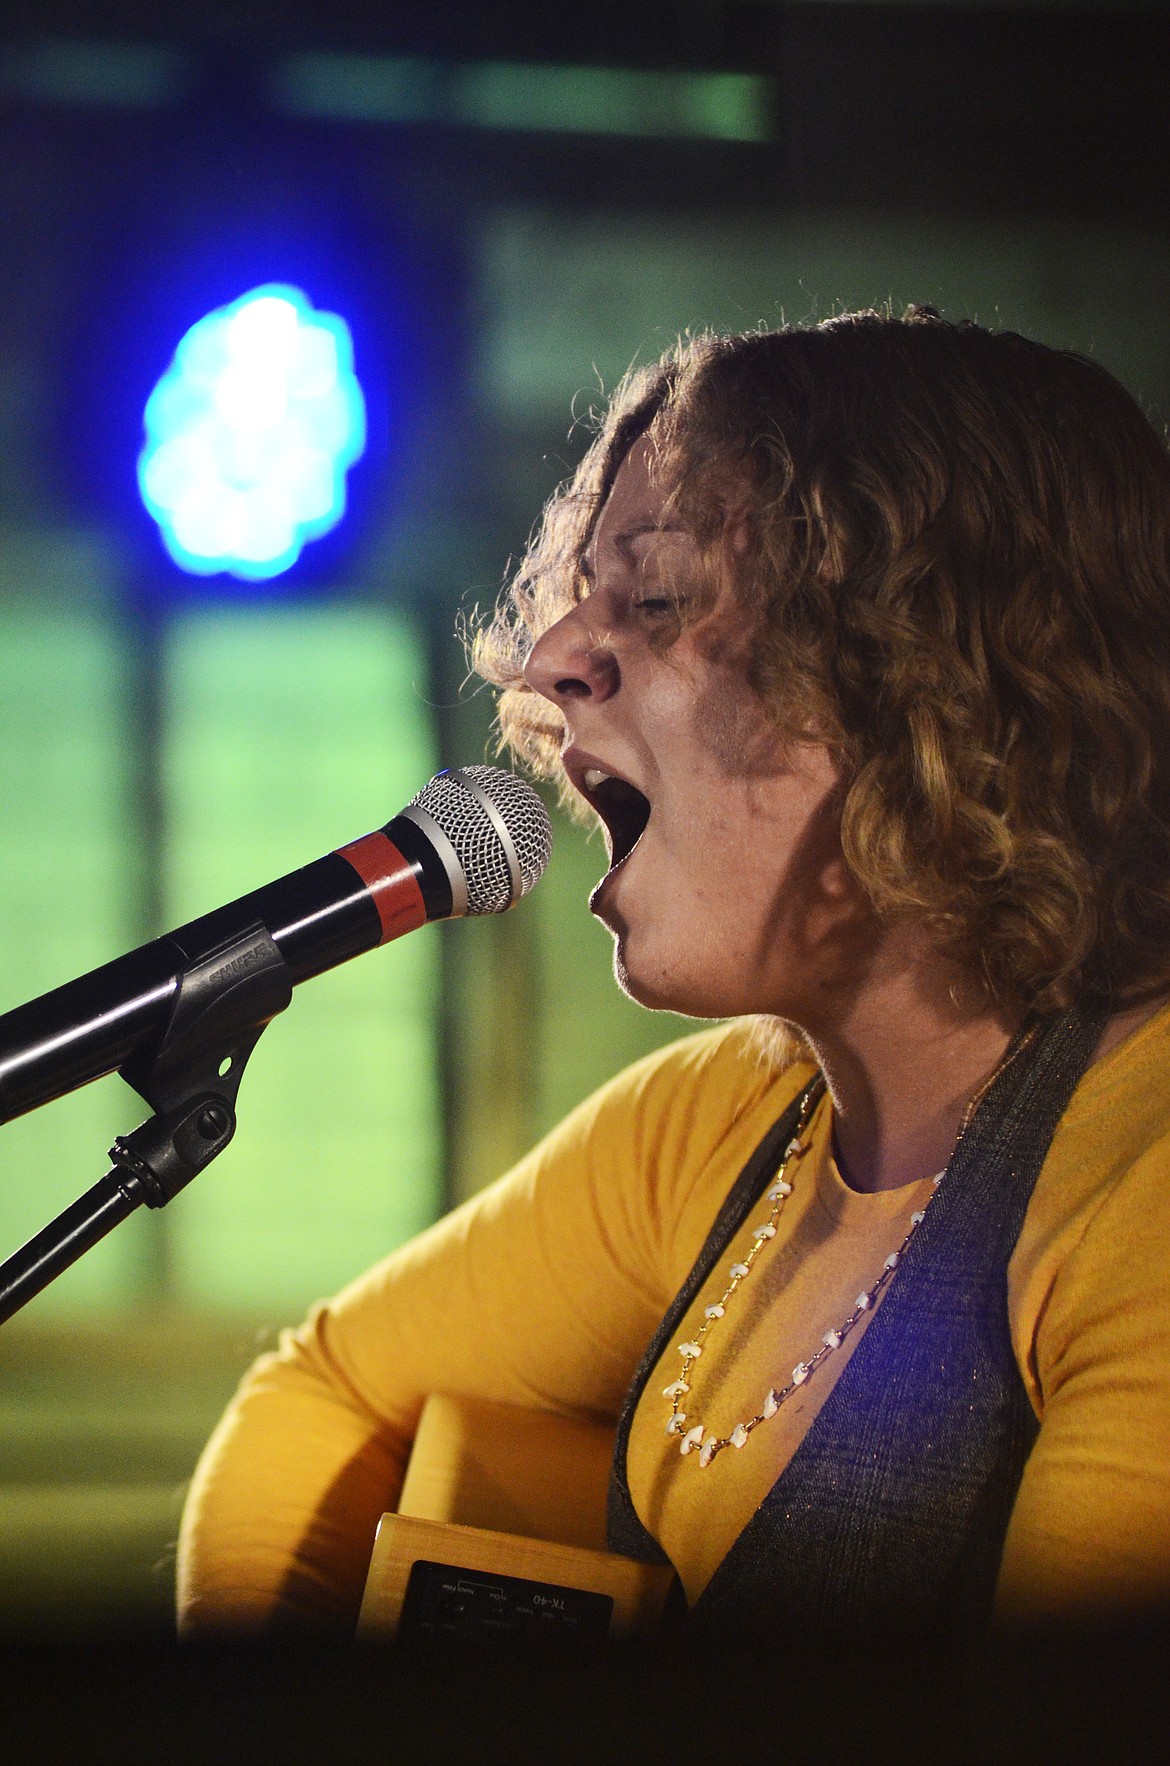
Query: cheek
point(733, 730)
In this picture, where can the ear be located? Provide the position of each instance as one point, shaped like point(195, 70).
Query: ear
point(739, 531)
point(739, 517)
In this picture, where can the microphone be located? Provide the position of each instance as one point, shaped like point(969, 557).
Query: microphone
point(472, 841)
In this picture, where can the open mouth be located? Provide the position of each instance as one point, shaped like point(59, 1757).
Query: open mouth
point(624, 812)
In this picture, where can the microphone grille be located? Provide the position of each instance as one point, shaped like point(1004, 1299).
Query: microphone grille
point(453, 799)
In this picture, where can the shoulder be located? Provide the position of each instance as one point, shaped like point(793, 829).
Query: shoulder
point(1118, 1120)
point(669, 1133)
point(669, 1136)
point(1096, 1240)
point(714, 1076)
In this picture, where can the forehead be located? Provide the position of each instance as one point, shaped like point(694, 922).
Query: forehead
point(636, 499)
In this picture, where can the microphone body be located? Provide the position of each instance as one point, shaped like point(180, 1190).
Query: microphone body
point(413, 870)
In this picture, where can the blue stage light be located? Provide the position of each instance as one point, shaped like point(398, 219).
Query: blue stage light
point(250, 433)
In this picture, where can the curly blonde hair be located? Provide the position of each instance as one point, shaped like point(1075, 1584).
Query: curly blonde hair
point(957, 574)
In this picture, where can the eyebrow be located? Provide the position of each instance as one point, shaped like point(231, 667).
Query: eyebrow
point(631, 533)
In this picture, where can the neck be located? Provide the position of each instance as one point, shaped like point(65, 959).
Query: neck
point(903, 1063)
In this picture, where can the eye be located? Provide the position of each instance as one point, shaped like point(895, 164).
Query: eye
point(660, 606)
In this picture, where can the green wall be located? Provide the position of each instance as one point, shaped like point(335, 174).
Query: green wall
point(284, 732)
point(290, 732)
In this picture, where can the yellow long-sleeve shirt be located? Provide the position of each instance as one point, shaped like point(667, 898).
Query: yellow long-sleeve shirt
point(545, 1289)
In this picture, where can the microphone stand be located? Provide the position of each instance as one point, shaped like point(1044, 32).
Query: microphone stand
point(224, 1001)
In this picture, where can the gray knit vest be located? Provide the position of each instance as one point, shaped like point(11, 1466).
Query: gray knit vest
point(896, 1503)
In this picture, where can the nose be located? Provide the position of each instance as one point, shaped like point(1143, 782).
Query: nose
point(569, 662)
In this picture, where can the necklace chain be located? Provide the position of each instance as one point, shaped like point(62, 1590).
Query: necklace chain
point(696, 1437)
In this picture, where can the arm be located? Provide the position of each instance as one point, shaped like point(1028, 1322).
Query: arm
point(542, 1291)
point(1090, 1532)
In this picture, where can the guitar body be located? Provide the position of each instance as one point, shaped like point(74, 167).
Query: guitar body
point(500, 1532)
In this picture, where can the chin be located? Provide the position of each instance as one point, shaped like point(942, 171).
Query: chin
point(668, 993)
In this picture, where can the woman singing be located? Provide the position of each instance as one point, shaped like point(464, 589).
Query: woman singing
point(857, 641)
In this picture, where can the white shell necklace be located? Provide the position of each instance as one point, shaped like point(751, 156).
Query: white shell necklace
point(696, 1436)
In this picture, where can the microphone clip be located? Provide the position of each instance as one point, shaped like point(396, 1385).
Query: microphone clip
point(161, 1156)
point(225, 1000)
point(226, 996)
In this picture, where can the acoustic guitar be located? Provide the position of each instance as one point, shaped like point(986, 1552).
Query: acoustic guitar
point(500, 1535)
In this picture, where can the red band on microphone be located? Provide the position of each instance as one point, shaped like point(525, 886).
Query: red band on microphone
point(390, 880)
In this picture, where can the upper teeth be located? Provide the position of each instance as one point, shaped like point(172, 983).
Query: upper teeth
point(595, 777)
